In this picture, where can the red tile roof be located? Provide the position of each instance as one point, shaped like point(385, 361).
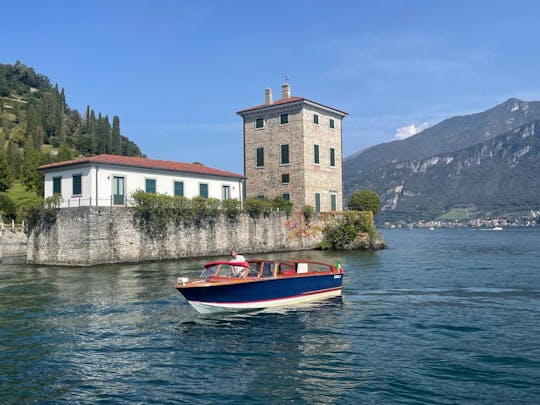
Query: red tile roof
point(285, 101)
point(145, 163)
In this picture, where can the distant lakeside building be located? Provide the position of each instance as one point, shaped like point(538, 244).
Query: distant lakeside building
point(293, 149)
point(108, 180)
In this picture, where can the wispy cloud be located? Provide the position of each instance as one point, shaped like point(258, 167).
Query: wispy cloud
point(409, 130)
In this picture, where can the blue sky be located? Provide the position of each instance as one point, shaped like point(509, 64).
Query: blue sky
point(176, 72)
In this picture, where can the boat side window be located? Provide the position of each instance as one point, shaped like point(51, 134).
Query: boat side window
point(254, 269)
point(320, 268)
point(268, 269)
point(287, 268)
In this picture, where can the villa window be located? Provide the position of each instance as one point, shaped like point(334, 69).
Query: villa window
point(331, 123)
point(285, 178)
point(178, 188)
point(77, 184)
point(150, 185)
point(284, 119)
point(333, 201)
point(332, 157)
point(57, 185)
point(203, 190)
point(286, 196)
point(317, 202)
point(259, 123)
point(226, 192)
point(316, 159)
point(316, 119)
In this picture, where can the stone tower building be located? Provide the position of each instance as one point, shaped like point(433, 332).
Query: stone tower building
point(293, 148)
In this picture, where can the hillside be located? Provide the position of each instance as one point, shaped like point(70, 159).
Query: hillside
point(459, 164)
point(37, 127)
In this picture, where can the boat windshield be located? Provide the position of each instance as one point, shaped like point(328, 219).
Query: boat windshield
point(222, 269)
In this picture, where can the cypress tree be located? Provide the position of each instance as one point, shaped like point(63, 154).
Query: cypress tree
point(116, 137)
point(5, 172)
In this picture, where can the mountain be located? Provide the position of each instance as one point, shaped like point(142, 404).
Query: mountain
point(481, 164)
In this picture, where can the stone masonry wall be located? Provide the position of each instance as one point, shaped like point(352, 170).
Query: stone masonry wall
point(88, 236)
point(12, 246)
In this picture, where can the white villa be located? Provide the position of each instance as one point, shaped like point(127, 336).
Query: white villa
point(109, 180)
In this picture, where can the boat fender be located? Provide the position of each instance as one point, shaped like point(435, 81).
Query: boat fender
point(182, 280)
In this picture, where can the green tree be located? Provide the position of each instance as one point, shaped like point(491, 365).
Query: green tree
point(365, 200)
point(5, 172)
point(64, 153)
point(116, 140)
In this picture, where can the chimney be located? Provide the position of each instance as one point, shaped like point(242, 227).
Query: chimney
point(268, 96)
point(285, 91)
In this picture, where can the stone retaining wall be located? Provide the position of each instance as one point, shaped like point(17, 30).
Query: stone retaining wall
point(88, 236)
point(12, 246)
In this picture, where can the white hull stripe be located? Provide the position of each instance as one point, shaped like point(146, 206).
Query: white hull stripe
point(211, 307)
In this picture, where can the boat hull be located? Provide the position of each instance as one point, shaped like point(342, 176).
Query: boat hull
point(262, 293)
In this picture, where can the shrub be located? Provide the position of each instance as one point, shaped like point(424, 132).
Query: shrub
point(308, 212)
point(256, 207)
point(281, 204)
point(339, 235)
point(365, 200)
point(231, 208)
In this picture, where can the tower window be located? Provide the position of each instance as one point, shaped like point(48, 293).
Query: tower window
point(260, 157)
point(285, 155)
point(284, 119)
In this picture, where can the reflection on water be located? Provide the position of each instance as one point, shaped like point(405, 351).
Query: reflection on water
point(440, 317)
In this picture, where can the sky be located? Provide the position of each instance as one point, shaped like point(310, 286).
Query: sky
point(176, 72)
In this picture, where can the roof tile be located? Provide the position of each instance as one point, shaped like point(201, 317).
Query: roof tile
point(144, 163)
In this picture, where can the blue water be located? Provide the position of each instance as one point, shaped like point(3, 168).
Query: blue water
point(441, 317)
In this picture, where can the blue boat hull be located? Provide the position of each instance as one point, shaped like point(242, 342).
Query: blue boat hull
point(262, 293)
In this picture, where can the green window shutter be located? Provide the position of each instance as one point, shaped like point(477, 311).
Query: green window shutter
point(331, 123)
point(203, 190)
point(57, 185)
point(150, 185)
point(332, 157)
point(316, 154)
point(284, 119)
point(77, 184)
point(333, 202)
point(179, 188)
point(317, 202)
point(285, 154)
point(315, 119)
point(260, 157)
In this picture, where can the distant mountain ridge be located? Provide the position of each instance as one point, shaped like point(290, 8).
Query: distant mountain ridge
point(486, 162)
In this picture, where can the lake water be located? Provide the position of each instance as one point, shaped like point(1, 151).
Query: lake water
point(441, 317)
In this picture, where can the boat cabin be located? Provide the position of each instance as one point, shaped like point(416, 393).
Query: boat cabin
point(266, 269)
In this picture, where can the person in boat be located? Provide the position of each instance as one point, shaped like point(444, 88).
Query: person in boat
point(238, 271)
